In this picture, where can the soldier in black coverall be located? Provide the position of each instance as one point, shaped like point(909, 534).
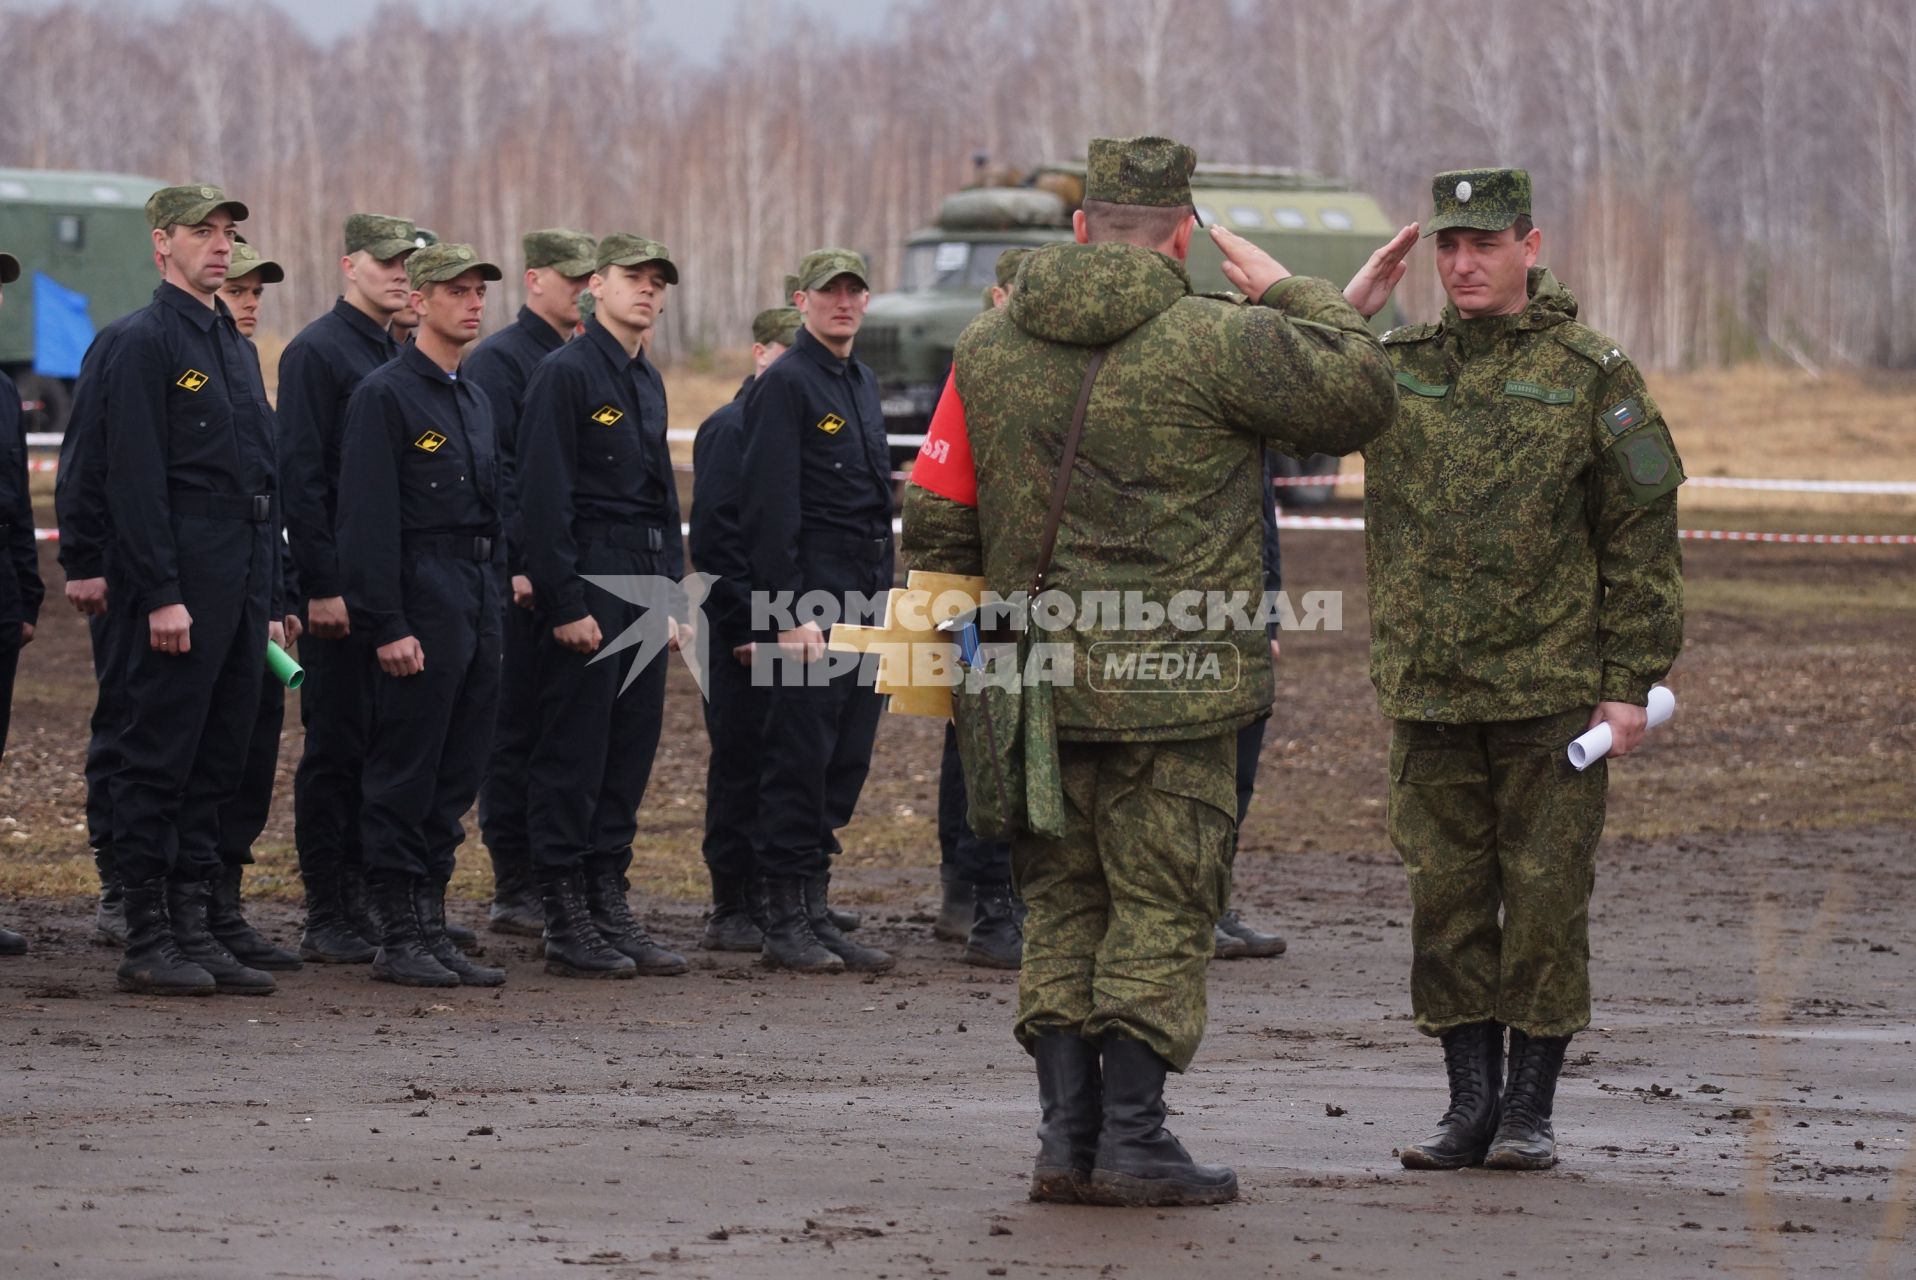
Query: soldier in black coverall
point(20, 587)
point(598, 497)
point(423, 571)
point(192, 503)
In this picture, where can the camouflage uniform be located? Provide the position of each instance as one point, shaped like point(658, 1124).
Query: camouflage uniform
point(1165, 498)
point(1523, 566)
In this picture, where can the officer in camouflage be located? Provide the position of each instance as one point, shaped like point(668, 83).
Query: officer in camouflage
point(1525, 584)
point(1165, 499)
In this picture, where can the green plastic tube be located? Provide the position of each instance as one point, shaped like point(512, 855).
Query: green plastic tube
point(284, 669)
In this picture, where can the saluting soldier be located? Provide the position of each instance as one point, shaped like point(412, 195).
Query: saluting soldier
point(422, 567)
point(817, 519)
point(1525, 584)
point(734, 705)
point(559, 263)
point(318, 372)
point(20, 587)
point(191, 499)
point(598, 497)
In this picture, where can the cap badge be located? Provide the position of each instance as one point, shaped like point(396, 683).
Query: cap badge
point(464, 254)
point(1463, 193)
point(207, 193)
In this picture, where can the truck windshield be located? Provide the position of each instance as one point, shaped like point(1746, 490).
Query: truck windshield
point(951, 264)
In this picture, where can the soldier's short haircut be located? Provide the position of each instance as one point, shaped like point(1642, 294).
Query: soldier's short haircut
point(1522, 226)
point(1140, 224)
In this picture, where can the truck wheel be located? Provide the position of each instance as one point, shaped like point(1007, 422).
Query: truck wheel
point(55, 398)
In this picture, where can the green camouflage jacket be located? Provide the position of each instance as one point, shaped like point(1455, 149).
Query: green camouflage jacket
point(1165, 498)
point(1520, 521)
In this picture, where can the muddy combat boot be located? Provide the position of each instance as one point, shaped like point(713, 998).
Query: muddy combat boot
point(11, 943)
point(857, 957)
point(996, 941)
point(574, 946)
point(429, 905)
point(1474, 1061)
point(154, 965)
point(1139, 1163)
point(1227, 946)
point(957, 910)
point(517, 906)
point(187, 902)
point(227, 922)
point(1525, 1138)
point(790, 942)
point(605, 891)
point(357, 906)
point(1260, 945)
point(1071, 1104)
point(330, 937)
point(109, 915)
point(732, 926)
point(403, 955)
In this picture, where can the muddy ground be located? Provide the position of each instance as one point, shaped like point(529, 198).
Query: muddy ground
point(1743, 1103)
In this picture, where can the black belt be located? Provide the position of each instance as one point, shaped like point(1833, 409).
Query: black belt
point(456, 546)
point(873, 549)
point(254, 507)
point(631, 537)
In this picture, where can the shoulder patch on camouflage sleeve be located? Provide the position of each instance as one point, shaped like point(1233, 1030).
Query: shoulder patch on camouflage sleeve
point(1409, 333)
point(1591, 345)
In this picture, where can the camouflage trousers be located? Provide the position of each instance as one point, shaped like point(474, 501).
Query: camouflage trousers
point(1490, 817)
point(1121, 907)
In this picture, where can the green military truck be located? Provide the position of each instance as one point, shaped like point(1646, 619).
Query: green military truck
point(1315, 226)
point(86, 259)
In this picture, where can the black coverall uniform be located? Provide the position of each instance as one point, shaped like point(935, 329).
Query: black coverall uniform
point(819, 520)
point(191, 499)
point(597, 496)
point(317, 375)
point(421, 554)
point(20, 587)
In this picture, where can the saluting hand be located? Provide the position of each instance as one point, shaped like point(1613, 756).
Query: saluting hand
point(170, 629)
point(403, 657)
point(1374, 282)
point(582, 636)
point(1250, 270)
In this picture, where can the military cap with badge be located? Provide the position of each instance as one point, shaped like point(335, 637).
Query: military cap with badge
point(822, 266)
point(188, 206)
point(776, 325)
point(623, 249)
point(1149, 171)
point(248, 261)
point(570, 253)
point(1479, 199)
point(438, 263)
point(381, 235)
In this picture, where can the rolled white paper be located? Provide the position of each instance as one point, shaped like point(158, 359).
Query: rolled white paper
point(1595, 744)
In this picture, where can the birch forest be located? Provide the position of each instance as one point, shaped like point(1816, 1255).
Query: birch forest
point(1717, 180)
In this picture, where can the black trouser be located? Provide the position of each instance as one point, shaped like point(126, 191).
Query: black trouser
point(244, 814)
point(1250, 744)
point(735, 724)
point(502, 797)
point(109, 633)
point(190, 715)
point(9, 667)
point(593, 745)
point(335, 706)
point(961, 853)
point(431, 732)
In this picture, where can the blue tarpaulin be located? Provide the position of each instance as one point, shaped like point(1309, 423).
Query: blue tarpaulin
point(62, 330)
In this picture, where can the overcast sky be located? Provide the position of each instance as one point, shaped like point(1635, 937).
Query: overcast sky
point(696, 28)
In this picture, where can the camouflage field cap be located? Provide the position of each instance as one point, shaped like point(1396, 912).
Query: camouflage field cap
point(1008, 265)
point(570, 253)
point(822, 266)
point(248, 261)
point(9, 268)
point(776, 324)
point(791, 287)
point(1484, 199)
point(382, 236)
point(623, 249)
point(1149, 171)
point(437, 263)
point(188, 206)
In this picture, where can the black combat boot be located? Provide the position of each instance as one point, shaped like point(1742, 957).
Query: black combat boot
point(996, 941)
point(605, 888)
point(109, 915)
point(429, 904)
point(790, 942)
point(1139, 1163)
point(1255, 943)
point(857, 958)
point(1525, 1138)
point(574, 946)
point(732, 925)
point(330, 937)
point(187, 902)
point(957, 910)
point(357, 904)
point(1474, 1061)
point(11, 943)
point(1071, 1103)
point(227, 922)
point(403, 956)
point(516, 907)
point(154, 965)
